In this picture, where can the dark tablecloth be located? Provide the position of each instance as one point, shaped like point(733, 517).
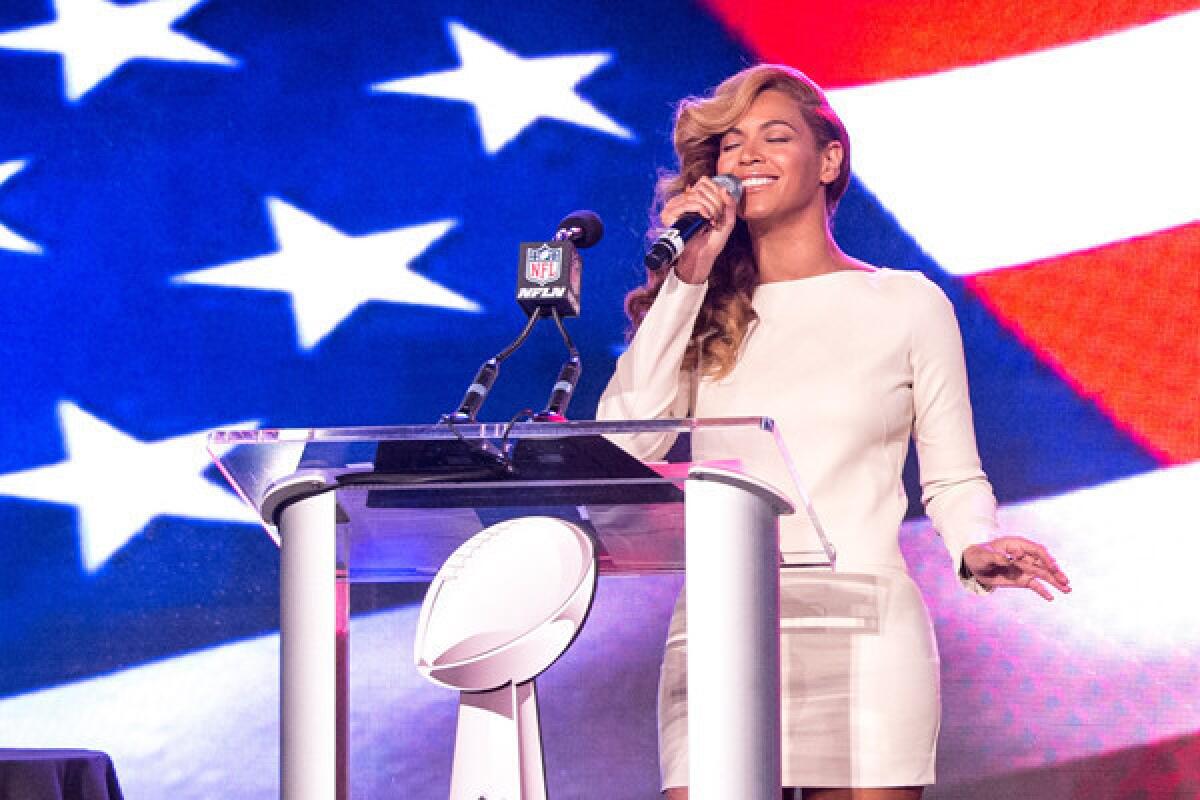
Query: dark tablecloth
point(57, 775)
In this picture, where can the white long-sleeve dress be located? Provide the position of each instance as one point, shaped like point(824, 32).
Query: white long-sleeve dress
point(850, 365)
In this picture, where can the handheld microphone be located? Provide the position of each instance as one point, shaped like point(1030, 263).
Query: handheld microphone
point(670, 244)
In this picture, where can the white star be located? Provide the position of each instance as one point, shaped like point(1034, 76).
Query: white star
point(510, 92)
point(10, 239)
point(119, 483)
point(329, 274)
point(96, 37)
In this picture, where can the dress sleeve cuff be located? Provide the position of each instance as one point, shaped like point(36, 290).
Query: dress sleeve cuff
point(969, 580)
point(675, 284)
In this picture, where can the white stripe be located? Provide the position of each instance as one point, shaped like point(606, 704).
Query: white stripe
point(1038, 155)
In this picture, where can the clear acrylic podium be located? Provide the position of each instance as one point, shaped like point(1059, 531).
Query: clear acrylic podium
point(390, 504)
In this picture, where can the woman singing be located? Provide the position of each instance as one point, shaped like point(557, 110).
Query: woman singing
point(764, 315)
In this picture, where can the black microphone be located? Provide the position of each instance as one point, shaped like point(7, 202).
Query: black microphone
point(562, 391)
point(670, 244)
point(548, 283)
point(582, 227)
point(549, 274)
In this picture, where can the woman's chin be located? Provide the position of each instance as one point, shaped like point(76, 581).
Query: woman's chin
point(756, 212)
point(763, 216)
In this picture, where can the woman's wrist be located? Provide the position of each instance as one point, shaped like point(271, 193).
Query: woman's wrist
point(689, 273)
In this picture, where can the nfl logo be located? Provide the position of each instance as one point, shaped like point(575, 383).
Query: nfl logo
point(543, 265)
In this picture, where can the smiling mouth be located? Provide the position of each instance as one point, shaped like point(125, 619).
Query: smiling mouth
point(757, 181)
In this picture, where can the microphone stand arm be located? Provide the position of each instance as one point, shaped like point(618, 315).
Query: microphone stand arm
point(568, 378)
point(477, 392)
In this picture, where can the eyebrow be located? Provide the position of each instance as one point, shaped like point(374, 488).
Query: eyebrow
point(766, 124)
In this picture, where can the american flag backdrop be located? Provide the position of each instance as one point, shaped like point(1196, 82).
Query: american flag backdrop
point(285, 213)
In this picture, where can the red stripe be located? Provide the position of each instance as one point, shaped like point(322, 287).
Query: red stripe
point(851, 42)
point(1122, 324)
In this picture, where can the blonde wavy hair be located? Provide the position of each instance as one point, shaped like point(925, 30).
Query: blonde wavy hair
point(700, 122)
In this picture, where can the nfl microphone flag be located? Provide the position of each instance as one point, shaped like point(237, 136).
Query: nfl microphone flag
point(236, 213)
point(549, 277)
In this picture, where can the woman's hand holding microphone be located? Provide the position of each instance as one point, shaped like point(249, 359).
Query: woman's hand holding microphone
point(708, 199)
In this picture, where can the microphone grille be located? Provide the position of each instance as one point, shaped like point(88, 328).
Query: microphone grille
point(591, 228)
point(731, 184)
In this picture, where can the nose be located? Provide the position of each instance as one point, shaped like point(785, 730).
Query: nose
point(749, 154)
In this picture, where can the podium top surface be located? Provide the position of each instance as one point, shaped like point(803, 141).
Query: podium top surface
point(490, 430)
point(408, 495)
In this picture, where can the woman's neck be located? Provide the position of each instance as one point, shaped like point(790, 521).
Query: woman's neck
point(799, 249)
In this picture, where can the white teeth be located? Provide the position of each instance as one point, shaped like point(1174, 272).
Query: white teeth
point(751, 182)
